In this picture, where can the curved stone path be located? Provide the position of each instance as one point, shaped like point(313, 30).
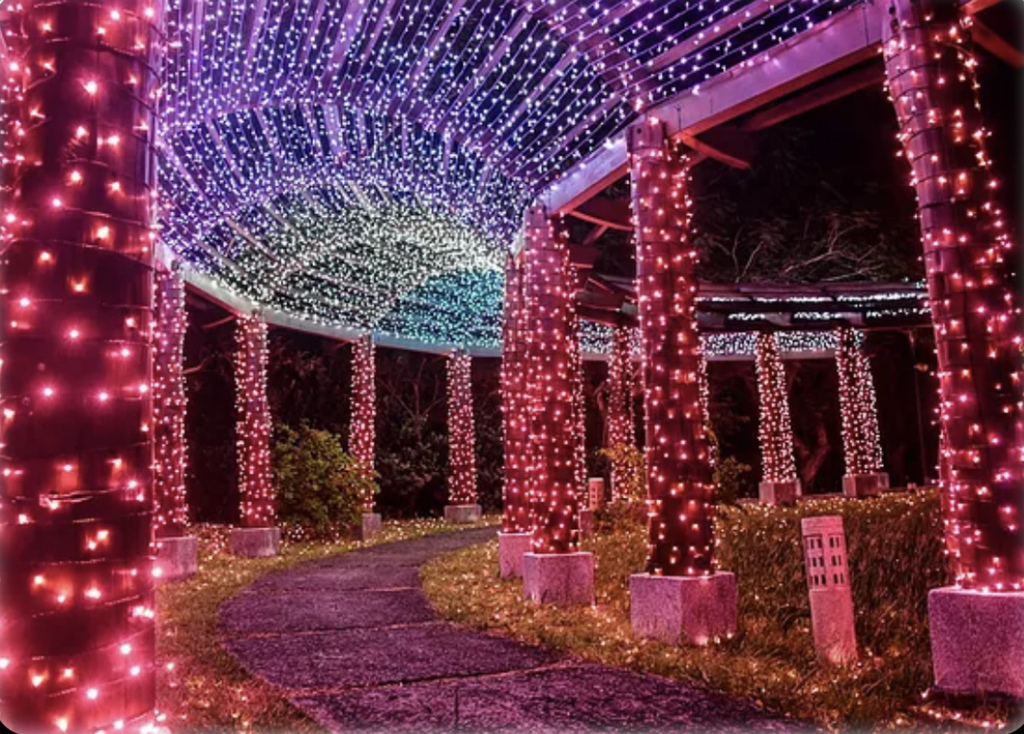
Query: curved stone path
point(355, 644)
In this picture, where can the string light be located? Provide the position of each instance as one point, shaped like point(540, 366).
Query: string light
point(620, 401)
point(362, 431)
point(75, 452)
point(970, 260)
point(169, 406)
point(253, 429)
point(862, 445)
point(680, 490)
point(517, 513)
point(551, 360)
point(461, 435)
point(774, 429)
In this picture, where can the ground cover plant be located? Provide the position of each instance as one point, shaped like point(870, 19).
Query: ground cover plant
point(895, 556)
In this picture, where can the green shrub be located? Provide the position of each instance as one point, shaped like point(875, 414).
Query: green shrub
point(319, 487)
point(895, 546)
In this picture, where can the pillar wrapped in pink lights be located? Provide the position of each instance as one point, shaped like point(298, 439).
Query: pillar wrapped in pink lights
point(76, 254)
point(970, 262)
point(680, 598)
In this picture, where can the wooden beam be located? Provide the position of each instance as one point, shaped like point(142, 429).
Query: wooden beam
point(996, 45)
point(595, 234)
point(726, 144)
point(611, 213)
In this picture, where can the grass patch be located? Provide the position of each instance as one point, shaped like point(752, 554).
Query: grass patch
point(200, 686)
point(895, 546)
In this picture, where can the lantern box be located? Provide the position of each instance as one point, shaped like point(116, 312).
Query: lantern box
point(462, 514)
point(595, 493)
point(586, 522)
point(828, 584)
point(559, 578)
point(689, 609)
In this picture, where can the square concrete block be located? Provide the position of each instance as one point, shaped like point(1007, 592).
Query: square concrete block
point(865, 485)
point(559, 578)
point(462, 514)
point(778, 493)
point(255, 542)
point(511, 548)
point(177, 558)
point(586, 522)
point(977, 641)
point(689, 609)
point(370, 526)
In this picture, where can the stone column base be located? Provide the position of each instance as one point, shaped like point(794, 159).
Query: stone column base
point(462, 514)
point(511, 548)
point(977, 641)
point(865, 485)
point(255, 542)
point(689, 609)
point(586, 522)
point(177, 558)
point(559, 578)
point(371, 524)
point(778, 493)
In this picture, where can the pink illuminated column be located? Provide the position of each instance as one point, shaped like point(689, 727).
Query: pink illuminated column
point(76, 253)
point(462, 506)
point(252, 438)
point(620, 399)
point(779, 482)
point(970, 258)
point(862, 445)
point(970, 261)
point(363, 424)
point(169, 406)
point(678, 470)
point(516, 513)
point(551, 366)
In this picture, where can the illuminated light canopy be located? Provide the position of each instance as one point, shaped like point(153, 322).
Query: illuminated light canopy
point(970, 263)
point(680, 489)
point(362, 434)
point(862, 445)
point(551, 361)
point(461, 435)
point(774, 429)
point(253, 429)
point(466, 110)
point(169, 406)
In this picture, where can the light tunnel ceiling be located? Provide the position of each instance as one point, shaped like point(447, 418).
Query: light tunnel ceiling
point(366, 163)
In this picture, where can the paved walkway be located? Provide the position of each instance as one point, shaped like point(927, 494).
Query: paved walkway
point(356, 645)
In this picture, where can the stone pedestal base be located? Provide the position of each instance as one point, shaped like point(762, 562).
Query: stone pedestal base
point(586, 523)
point(689, 609)
point(177, 558)
point(511, 548)
point(977, 641)
point(778, 493)
point(371, 525)
point(462, 514)
point(255, 542)
point(559, 578)
point(865, 485)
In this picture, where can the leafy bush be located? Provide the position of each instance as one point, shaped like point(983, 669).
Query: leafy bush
point(319, 486)
point(627, 462)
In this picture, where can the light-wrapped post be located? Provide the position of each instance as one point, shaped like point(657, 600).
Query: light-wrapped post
point(976, 630)
point(779, 481)
point(555, 571)
point(620, 398)
point(76, 254)
point(362, 439)
point(257, 536)
point(462, 506)
point(680, 596)
point(177, 552)
point(862, 444)
point(516, 523)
